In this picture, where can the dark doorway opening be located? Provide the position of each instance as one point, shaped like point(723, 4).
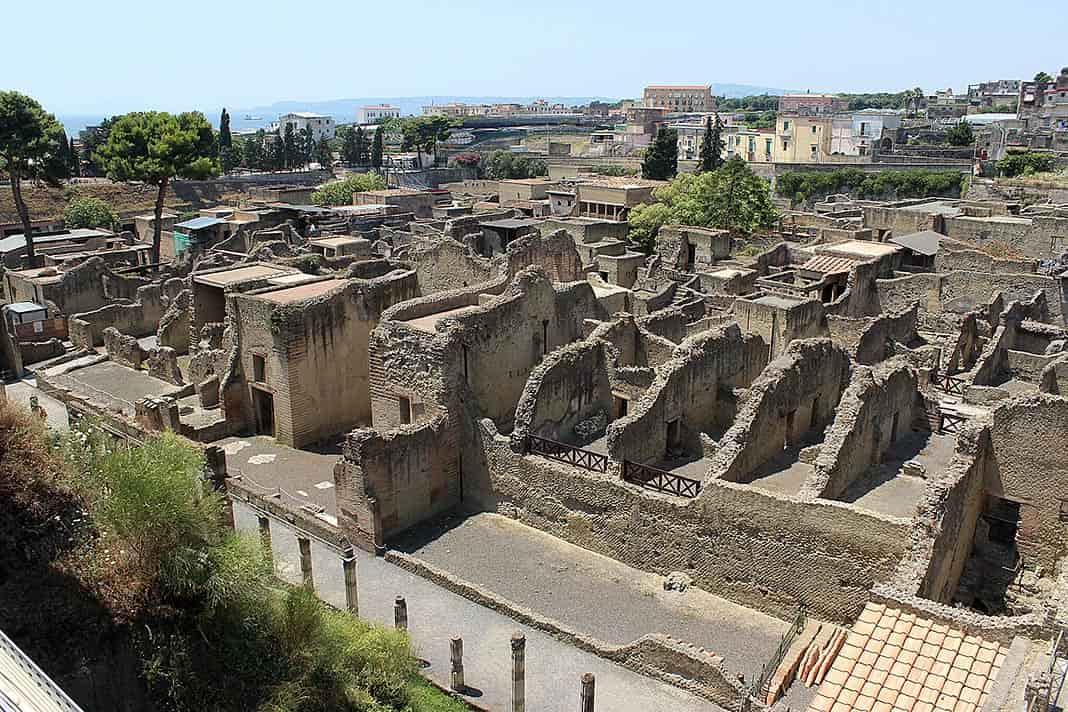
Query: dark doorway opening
point(263, 404)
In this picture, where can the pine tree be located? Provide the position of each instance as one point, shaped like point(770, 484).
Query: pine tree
point(225, 139)
point(661, 160)
point(376, 149)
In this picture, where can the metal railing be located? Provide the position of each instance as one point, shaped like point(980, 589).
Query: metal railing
point(660, 480)
point(569, 454)
point(767, 670)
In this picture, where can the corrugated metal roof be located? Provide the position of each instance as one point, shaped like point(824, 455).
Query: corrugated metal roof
point(828, 264)
point(23, 307)
point(24, 687)
point(199, 223)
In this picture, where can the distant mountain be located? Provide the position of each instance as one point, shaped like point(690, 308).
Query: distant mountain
point(734, 91)
point(344, 110)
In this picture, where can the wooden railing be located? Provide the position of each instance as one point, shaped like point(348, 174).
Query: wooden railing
point(570, 454)
point(950, 384)
point(949, 422)
point(660, 480)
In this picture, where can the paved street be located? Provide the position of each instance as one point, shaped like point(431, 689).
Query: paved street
point(590, 593)
point(553, 668)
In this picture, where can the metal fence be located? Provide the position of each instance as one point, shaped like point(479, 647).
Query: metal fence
point(660, 480)
point(760, 686)
point(570, 454)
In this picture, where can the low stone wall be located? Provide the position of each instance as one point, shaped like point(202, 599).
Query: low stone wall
point(141, 318)
point(691, 668)
point(765, 551)
point(995, 628)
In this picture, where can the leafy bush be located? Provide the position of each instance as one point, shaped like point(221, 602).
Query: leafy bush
point(89, 212)
point(505, 165)
point(614, 170)
point(802, 186)
point(340, 192)
point(961, 134)
point(731, 197)
point(213, 629)
point(1025, 164)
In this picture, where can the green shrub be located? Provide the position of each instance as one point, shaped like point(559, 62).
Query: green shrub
point(89, 212)
point(340, 192)
point(802, 186)
point(1025, 164)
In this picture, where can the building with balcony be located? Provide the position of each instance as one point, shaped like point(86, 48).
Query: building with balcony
point(377, 113)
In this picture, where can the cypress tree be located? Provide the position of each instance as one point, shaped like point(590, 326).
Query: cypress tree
point(75, 159)
point(361, 145)
point(705, 162)
point(376, 149)
point(225, 139)
point(661, 160)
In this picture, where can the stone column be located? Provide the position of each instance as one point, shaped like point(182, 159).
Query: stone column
point(352, 593)
point(456, 655)
point(519, 667)
point(400, 613)
point(587, 693)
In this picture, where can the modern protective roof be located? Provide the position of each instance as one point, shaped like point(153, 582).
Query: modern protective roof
point(14, 242)
point(925, 242)
point(199, 223)
point(508, 224)
point(24, 687)
point(23, 307)
point(226, 277)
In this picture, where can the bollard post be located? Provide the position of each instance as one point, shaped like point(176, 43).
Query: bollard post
point(519, 666)
point(352, 595)
point(400, 613)
point(456, 654)
point(587, 692)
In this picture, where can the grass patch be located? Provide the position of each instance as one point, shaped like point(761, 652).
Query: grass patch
point(424, 697)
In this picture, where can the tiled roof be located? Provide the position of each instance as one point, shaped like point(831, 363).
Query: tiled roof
point(829, 265)
point(893, 660)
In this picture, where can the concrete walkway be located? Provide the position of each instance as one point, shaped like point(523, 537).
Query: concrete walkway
point(553, 668)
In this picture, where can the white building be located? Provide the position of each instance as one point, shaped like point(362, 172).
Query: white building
point(321, 125)
point(859, 133)
point(377, 113)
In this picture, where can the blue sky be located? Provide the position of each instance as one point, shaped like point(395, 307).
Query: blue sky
point(120, 55)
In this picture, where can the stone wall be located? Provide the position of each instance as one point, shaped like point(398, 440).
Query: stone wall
point(949, 512)
point(694, 389)
point(764, 551)
point(953, 257)
point(875, 410)
point(1030, 445)
point(944, 297)
point(315, 354)
point(388, 482)
point(175, 325)
point(140, 318)
point(869, 339)
point(554, 253)
point(569, 387)
point(780, 322)
point(795, 396)
point(445, 264)
point(1030, 237)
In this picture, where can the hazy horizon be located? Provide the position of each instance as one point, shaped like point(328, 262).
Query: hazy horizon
point(110, 60)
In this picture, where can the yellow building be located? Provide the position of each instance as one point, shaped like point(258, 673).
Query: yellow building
point(802, 139)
